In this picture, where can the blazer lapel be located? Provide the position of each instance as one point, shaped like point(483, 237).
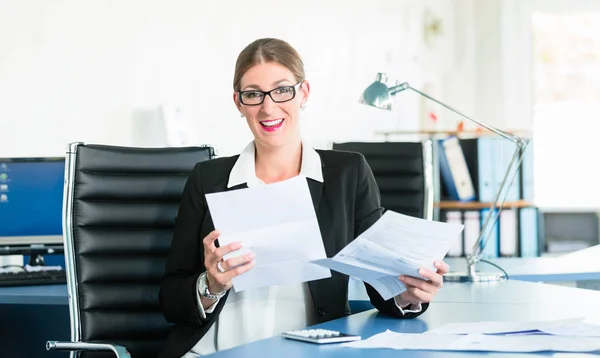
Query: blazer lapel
point(315, 188)
point(236, 187)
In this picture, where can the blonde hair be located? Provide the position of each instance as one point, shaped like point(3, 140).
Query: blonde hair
point(268, 50)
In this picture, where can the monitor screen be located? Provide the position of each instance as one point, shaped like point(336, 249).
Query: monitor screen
point(31, 197)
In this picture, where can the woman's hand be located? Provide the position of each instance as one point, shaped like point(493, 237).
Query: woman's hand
point(219, 273)
point(420, 291)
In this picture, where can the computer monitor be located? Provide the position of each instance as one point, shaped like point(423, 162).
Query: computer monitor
point(31, 197)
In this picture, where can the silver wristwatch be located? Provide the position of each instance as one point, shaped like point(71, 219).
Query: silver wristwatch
point(203, 288)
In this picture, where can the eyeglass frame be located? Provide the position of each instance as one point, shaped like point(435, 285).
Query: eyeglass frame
point(268, 93)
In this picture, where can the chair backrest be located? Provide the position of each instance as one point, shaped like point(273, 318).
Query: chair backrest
point(119, 211)
point(404, 174)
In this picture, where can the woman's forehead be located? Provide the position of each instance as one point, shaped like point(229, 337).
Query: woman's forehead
point(267, 75)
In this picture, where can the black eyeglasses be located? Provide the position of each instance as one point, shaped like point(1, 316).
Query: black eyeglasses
point(278, 95)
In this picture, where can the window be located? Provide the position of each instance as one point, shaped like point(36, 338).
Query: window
point(566, 108)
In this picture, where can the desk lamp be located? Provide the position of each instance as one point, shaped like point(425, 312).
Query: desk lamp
point(379, 95)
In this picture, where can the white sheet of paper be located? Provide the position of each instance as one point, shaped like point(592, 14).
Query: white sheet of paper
point(500, 327)
point(395, 245)
point(478, 342)
point(279, 224)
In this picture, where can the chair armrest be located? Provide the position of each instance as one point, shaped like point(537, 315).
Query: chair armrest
point(119, 351)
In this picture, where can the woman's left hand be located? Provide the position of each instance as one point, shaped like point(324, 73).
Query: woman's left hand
point(420, 291)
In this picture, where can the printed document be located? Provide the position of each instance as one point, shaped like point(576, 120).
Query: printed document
point(561, 327)
point(395, 245)
point(278, 223)
point(479, 342)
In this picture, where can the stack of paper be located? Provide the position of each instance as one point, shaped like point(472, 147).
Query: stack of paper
point(563, 327)
point(276, 222)
point(479, 342)
point(395, 245)
point(568, 335)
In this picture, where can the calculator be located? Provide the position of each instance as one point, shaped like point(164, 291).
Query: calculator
point(320, 336)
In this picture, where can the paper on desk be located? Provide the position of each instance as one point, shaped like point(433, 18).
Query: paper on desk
point(278, 223)
point(395, 245)
point(499, 327)
point(478, 342)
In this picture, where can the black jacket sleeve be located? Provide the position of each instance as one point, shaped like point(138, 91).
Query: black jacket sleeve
point(367, 211)
point(185, 262)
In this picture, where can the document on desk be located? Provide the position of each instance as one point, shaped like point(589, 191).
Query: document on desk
point(501, 327)
point(395, 245)
point(562, 327)
point(478, 342)
point(278, 223)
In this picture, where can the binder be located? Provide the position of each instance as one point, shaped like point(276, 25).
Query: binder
point(508, 149)
point(472, 222)
point(454, 171)
point(457, 249)
point(479, 156)
point(529, 232)
point(508, 233)
point(491, 248)
point(526, 174)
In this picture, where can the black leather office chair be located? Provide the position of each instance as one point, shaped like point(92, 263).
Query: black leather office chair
point(404, 174)
point(119, 210)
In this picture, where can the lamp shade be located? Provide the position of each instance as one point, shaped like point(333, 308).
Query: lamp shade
point(377, 94)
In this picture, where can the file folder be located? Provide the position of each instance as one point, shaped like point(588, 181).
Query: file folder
point(491, 248)
point(472, 222)
point(455, 217)
point(479, 156)
point(526, 175)
point(508, 233)
point(529, 232)
point(454, 171)
point(508, 150)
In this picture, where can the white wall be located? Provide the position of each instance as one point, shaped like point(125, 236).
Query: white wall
point(73, 70)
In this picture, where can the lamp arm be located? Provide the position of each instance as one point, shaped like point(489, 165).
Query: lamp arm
point(404, 86)
point(509, 176)
point(507, 180)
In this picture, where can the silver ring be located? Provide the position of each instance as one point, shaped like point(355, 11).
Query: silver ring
point(221, 269)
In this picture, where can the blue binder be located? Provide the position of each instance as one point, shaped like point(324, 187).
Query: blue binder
point(529, 232)
point(492, 247)
point(454, 180)
point(479, 155)
point(508, 149)
point(526, 177)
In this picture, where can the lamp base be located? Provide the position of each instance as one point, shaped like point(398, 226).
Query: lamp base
point(477, 277)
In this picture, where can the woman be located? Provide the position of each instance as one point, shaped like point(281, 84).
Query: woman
point(270, 90)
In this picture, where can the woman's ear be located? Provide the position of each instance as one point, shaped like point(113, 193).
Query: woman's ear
point(305, 91)
point(236, 100)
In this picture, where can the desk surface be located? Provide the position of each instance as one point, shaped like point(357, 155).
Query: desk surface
point(545, 304)
point(577, 266)
point(35, 295)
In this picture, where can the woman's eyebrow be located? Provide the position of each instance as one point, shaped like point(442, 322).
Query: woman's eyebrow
point(253, 86)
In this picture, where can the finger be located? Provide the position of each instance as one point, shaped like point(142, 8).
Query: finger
point(435, 278)
point(224, 250)
point(423, 285)
point(442, 267)
point(209, 240)
point(239, 270)
point(420, 296)
point(237, 261)
point(410, 297)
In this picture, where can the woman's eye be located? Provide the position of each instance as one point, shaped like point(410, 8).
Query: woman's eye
point(282, 90)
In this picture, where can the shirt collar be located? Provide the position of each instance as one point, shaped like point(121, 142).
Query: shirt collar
point(244, 170)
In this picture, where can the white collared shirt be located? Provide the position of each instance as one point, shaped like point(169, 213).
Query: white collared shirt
point(263, 312)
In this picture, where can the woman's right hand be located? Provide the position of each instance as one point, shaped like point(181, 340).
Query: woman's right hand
point(219, 281)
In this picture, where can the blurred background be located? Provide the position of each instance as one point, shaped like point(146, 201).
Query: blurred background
point(159, 73)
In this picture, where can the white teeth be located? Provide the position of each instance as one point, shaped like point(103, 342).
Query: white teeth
point(271, 123)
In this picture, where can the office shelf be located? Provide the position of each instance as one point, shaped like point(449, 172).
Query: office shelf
point(476, 205)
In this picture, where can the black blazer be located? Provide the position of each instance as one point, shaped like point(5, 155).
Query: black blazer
point(346, 203)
